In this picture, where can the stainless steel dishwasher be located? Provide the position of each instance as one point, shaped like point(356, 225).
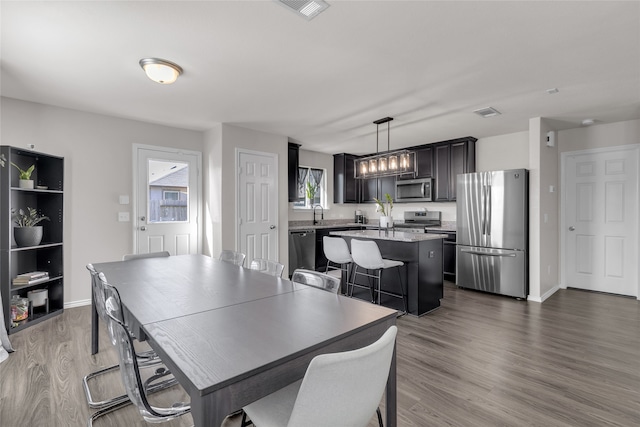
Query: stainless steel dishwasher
point(302, 250)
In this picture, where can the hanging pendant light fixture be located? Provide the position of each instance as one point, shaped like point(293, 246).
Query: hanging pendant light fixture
point(389, 163)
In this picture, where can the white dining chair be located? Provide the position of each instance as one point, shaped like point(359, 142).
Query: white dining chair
point(338, 389)
point(366, 255)
point(339, 258)
point(266, 266)
point(316, 279)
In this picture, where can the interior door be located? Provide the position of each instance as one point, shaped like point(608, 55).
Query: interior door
point(258, 205)
point(600, 221)
point(167, 201)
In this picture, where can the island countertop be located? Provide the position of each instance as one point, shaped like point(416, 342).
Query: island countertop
point(396, 236)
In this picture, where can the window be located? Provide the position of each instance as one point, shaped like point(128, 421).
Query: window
point(311, 182)
point(171, 195)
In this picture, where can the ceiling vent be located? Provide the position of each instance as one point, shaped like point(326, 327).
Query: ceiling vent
point(487, 112)
point(308, 9)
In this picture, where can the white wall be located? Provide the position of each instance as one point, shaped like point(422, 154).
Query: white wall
point(220, 152)
point(510, 151)
point(599, 136)
point(98, 168)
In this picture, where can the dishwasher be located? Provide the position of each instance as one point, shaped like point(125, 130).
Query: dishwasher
point(302, 250)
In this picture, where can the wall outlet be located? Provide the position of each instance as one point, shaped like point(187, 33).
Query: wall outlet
point(123, 216)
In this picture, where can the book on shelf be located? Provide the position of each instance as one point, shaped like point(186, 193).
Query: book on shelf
point(30, 278)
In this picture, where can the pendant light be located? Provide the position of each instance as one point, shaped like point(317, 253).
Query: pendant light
point(389, 163)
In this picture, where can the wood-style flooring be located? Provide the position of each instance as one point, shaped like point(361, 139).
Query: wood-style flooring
point(479, 360)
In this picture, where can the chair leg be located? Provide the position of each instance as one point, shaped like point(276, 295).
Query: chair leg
point(404, 300)
point(102, 403)
point(380, 423)
point(245, 422)
point(379, 285)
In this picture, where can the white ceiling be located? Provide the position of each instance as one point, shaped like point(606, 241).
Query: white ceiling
point(255, 64)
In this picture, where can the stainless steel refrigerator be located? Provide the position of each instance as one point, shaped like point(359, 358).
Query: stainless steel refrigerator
point(493, 232)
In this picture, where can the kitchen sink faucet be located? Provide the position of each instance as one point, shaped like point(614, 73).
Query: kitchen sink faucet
point(314, 213)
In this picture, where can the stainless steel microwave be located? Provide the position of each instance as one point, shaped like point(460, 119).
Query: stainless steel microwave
point(414, 190)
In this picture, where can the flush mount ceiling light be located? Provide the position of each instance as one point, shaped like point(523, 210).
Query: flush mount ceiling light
point(487, 112)
point(588, 122)
point(308, 9)
point(160, 70)
point(390, 163)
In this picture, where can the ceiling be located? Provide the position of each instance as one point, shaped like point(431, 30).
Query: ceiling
point(255, 64)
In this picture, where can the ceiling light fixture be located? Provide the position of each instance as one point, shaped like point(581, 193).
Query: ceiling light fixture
point(307, 9)
point(588, 122)
point(390, 163)
point(160, 70)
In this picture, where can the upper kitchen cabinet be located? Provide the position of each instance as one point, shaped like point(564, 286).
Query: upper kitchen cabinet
point(294, 158)
point(450, 159)
point(345, 185)
point(424, 163)
point(377, 187)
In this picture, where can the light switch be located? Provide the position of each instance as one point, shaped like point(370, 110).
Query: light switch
point(552, 189)
point(123, 216)
point(124, 200)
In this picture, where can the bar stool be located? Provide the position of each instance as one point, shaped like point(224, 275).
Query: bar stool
point(337, 252)
point(366, 255)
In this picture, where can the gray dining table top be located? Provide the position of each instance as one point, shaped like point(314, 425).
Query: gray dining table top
point(232, 335)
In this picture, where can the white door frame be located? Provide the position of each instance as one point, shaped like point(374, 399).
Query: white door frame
point(634, 149)
point(173, 150)
point(274, 156)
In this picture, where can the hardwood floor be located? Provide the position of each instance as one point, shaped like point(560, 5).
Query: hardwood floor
point(479, 360)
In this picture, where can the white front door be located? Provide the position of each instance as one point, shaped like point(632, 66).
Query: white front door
point(257, 205)
point(167, 200)
point(601, 220)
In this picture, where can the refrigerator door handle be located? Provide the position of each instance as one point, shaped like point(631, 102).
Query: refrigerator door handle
point(488, 220)
point(472, 252)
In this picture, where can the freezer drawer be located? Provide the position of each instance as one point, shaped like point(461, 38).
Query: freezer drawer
point(498, 271)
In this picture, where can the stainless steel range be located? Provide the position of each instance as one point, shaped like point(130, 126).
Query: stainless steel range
point(417, 221)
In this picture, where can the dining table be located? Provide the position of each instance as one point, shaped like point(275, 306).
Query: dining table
point(232, 335)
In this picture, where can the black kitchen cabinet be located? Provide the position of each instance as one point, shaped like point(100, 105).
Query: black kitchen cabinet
point(378, 187)
point(345, 185)
point(424, 163)
point(450, 159)
point(448, 254)
point(292, 170)
point(47, 199)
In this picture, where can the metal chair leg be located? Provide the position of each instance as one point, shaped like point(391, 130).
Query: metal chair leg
point(404, 300)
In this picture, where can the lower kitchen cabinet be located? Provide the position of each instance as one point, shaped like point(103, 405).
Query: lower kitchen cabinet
point(321, 260)
point(448, 254)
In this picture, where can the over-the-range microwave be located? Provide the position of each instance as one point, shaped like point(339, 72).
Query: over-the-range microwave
point(414, 190)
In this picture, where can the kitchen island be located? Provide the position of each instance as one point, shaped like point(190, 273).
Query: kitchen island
point(422, 256)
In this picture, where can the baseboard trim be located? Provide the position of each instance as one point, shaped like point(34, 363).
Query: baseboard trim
point(546, 295)
point(79, 303)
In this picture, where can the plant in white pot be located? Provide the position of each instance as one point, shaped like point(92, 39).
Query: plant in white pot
point(25, 176)
point(386, 220)
point(27, 232)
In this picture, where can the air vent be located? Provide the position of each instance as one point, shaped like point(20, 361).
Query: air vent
point(308, 9)
point(487, 112)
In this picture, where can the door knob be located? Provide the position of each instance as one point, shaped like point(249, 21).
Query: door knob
point(143, 228)
point(272, 227)
point(572, 228)
point(142, 218)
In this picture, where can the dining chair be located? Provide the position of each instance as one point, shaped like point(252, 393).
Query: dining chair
point(316, 279)
point(337, 252)
point(232, 257)
point(129, 257)
point(267, 266)
point(366, 255)
point(149, 358)
point(136, 388)
point(338, 389)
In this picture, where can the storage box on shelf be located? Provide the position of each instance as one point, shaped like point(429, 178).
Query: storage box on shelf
point(47, 257)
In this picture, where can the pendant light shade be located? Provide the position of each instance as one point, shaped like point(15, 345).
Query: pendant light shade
point(390, 163)
point(161, 70)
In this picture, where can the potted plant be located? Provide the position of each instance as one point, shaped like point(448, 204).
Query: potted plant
point(25, 176)
point(27, 232)
point(311, 192)
point(386, 220)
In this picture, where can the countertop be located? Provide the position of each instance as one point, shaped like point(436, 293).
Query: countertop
point(447, 226)
point(398, 236)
